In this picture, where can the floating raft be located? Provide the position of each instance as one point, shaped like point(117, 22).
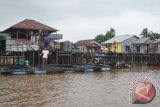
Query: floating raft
point(51, 69)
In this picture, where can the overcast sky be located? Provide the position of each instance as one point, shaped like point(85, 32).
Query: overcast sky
point(84, 19)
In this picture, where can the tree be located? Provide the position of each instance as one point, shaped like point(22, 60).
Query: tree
point(100, 38)
point(109, 34)
point(144, 32)
point(151, 34)
point(112, 30)
point(156, 36)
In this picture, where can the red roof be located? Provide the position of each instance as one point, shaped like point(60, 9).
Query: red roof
point(94, 43)
point(32, 25)
point(83, 42)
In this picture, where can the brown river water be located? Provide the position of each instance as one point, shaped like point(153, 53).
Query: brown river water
point(97, 89)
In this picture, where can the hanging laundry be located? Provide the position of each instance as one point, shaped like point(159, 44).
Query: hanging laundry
point(34, 38)
point(31, 38)
point(37, 39)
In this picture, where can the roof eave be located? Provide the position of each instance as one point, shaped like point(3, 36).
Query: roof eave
point(12, 28)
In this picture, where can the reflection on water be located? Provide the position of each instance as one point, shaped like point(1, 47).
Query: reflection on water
point(99, 89)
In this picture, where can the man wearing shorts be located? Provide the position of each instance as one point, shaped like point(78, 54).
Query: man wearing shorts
point(45, 53)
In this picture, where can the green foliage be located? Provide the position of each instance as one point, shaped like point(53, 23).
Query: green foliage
point(151, 34)
point(102, 38)
point(144, 32)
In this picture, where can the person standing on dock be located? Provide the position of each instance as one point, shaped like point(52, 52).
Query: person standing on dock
point(45, 53)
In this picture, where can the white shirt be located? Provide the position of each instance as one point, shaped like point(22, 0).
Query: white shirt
point(45, 53)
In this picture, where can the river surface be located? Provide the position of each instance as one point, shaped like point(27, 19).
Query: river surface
point(98, 89)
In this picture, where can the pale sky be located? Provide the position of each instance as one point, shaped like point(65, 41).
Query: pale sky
point(84, 19)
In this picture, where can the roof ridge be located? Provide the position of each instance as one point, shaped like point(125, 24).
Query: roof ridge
point(31, 24)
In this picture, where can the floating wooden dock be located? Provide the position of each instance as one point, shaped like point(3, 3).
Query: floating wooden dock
point(51, 69)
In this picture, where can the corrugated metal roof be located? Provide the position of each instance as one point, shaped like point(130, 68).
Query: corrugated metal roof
point(32, 25)
point(156, 41)
point(119, 38)
point(142, 40)
point(55, 36)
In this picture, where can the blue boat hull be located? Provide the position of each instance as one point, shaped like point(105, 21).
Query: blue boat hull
point(105, 69)
point(39, 72)
point(87, 70)
point(19, 72)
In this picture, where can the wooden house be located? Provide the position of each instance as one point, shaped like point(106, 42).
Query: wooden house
point(28, 35)
point(68, 46)
point(88, 46)
point(120, 44)
point(141, 45)
point(154, 46)
point(3, 38)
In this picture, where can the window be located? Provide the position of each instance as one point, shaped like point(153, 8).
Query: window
point(127, 48)
point(137, 48)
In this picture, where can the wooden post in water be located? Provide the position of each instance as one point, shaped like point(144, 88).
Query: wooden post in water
point(33, 59)
point(70, 58)
point(17, 45)
point(56, 57)
point(39, 58)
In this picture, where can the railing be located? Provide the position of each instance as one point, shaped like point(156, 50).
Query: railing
point(10, 60)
